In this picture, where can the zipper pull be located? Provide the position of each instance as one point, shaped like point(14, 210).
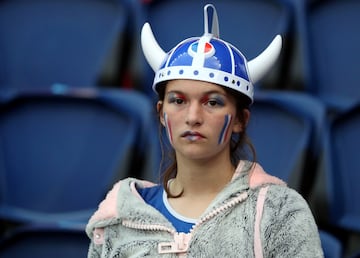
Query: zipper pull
point(180, 244)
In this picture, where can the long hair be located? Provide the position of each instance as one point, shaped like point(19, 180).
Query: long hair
point(241, 146)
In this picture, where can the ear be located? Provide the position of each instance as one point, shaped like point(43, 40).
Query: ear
point(240, 125)
point(159, 108)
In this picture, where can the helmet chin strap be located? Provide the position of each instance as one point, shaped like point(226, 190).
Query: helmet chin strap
point(210, 15)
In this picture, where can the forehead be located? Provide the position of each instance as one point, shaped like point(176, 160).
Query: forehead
point(193, 87)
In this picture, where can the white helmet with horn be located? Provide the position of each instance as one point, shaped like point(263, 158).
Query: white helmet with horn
point(208, 58)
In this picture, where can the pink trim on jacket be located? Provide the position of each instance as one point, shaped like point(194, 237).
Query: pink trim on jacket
point(107, 208)
point(145, 184)
point(259, 211)
point(257, 176)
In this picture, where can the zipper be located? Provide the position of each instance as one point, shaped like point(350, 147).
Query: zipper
point(180, 244)
point(134, 225)
point(181, 241)
point(237, 199)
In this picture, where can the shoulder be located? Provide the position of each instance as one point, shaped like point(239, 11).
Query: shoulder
point(108, 209)
point(282, 195)
point(286, 208)
point(288, 225)
point(279, 198)
point(277, 194)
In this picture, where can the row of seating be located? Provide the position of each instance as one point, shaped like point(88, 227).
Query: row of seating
point(86, 43)
point(66, 42)
point(62, 151)
point(97, 44)
point(64, 138)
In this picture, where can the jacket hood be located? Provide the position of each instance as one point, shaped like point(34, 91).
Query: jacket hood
point(250, 174)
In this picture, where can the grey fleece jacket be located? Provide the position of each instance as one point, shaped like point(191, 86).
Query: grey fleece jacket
point(255, 215)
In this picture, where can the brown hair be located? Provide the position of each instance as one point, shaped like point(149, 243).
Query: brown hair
point(240, 146)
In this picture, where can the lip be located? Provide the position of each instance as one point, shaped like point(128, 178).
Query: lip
point(192, 136)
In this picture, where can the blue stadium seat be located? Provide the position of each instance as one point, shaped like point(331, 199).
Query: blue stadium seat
point(68, 42)
point(61, 151)
point(336, 193)
point(285, 129)
point(329, 41)
point(332, 246)
point(44, 241)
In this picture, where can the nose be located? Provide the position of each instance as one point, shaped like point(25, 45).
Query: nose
point(194, 114)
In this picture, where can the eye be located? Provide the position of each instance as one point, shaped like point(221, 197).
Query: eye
point(215, 101)
point(212, 102)
point(176, 99)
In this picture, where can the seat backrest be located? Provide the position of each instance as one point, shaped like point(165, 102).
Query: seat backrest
point(331, 245)
point(45, 241)
point(61, 153)
point(284, 128)
point(249, 25)
point(330, 38)
point(69, 42)
point(341, 169)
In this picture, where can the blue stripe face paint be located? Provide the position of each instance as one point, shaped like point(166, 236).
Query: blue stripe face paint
point(168, 128)
point(225, 130)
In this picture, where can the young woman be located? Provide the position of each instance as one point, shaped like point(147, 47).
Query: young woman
point(213, 202)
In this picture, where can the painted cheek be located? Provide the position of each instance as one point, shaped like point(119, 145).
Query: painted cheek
point(225, 129)
point(168, 128)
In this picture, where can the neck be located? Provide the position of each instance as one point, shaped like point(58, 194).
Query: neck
point(202, 177)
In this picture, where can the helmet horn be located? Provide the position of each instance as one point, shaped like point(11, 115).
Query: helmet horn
point(152, 51)
point(261, 64)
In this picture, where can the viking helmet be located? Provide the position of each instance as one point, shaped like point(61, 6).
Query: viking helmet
point(208, 58)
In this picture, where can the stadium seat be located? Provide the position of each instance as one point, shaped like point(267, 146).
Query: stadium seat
point(329, 40)
point(62, 151)
point(44, 241)
point(69, 42)
point(285, 129)
point(334, 197)
point(332, 246)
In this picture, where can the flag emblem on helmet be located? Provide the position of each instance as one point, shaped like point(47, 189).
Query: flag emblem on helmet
point(207, 49)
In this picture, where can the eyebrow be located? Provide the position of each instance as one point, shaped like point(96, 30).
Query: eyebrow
point(204, 93)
